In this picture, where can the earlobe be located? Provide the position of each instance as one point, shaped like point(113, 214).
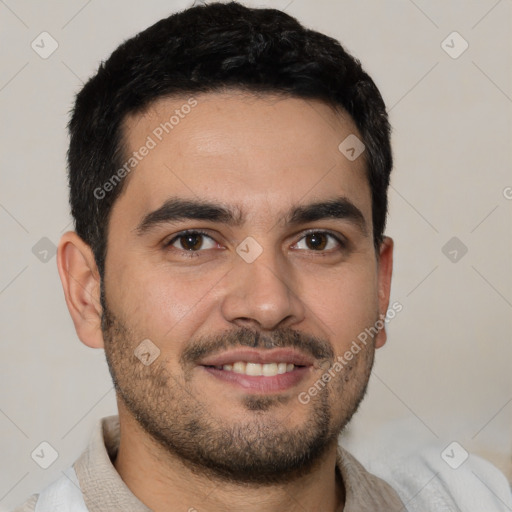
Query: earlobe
point(81, 283)
point(385, 271)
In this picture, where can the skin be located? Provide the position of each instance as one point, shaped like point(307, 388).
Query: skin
point(263, 155)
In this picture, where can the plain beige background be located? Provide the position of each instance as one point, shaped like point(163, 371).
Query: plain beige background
point(446, 370)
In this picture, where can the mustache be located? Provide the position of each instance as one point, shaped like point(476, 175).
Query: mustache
point(318, 348)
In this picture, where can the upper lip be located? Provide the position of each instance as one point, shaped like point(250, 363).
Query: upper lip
point(278, 355)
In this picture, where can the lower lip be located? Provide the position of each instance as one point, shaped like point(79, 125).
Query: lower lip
point(261, 384)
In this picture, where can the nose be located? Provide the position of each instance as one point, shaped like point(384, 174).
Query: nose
point(263, 294)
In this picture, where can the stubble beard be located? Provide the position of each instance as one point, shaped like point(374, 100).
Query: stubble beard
point(257, 450)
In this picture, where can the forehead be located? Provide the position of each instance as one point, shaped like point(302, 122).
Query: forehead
point(259, 153)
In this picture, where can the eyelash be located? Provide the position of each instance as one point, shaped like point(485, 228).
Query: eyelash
point(195, 254)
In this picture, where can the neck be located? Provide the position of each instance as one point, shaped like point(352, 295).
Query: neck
point(163, 482)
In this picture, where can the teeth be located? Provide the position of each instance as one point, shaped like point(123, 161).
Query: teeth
point(257, 369)
point(253, 369)
point(269, 369)
point(237, 367)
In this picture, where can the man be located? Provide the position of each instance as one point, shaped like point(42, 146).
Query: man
point(228, 175)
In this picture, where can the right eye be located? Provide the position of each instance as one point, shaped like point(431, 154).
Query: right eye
point(191, 241)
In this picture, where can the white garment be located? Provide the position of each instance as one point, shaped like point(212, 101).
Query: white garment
point(423, 483)
point(405, 455)
point(64, 495)
point(426, 483)
point(413, 467)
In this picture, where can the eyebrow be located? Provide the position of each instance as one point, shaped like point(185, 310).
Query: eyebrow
point(177, 209)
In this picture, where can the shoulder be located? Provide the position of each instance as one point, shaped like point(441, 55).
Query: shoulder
point(434, 475)
point(64, 494)
point(450, 480)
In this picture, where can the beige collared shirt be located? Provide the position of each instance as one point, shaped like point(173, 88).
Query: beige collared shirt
point(103, 489)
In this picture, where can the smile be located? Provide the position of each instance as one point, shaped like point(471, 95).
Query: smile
point(257, 369)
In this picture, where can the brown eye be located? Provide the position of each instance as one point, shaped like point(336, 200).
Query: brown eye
point(320, 241)
point(316, 241)
point(192, 241)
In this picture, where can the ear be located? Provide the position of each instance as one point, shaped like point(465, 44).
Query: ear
point(385, 270)
point(81, 283)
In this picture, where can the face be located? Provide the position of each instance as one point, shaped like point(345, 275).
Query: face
point(241, 251)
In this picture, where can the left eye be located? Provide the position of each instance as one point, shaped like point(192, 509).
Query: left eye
point(320, 241)
point(192, 241)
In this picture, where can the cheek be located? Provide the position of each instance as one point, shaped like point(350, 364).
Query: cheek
point(160, 302)
point(345, 304)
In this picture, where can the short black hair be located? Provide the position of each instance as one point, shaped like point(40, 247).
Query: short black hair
point(211, 48)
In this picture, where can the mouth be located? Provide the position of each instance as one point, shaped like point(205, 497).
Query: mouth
point(268, 371)
point(257, 369)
